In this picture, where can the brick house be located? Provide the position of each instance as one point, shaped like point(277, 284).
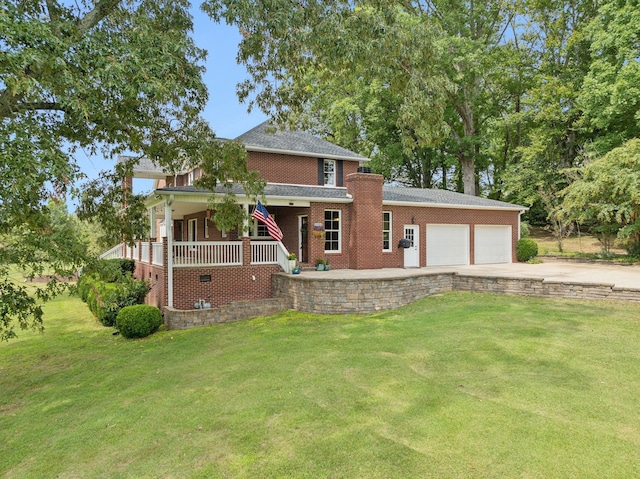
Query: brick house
point(327, 205)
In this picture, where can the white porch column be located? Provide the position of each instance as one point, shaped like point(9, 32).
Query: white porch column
point(169, 225)
point(152, 221)
point(245, 223)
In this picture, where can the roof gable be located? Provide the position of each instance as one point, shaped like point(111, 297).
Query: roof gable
point(265, 137)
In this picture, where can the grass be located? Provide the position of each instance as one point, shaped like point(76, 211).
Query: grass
point(460, 385)
point(574, 245)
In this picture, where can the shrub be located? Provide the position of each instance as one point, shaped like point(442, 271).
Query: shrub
point(138, 321)
point(525, 229)
point(526, 249)
point(106, 303)
point(106, 289)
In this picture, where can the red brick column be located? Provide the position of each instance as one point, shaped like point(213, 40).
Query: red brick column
point(365, 238)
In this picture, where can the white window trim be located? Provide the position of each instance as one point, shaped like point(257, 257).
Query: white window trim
point(390, 231)
point(339, 250)
point(254, 229)
point(334, 173)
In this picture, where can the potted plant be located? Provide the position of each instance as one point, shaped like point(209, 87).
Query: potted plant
point(319, 264)
point(293, 261)
point(326, 265)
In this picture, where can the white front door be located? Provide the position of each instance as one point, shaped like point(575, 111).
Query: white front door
point(412, 253)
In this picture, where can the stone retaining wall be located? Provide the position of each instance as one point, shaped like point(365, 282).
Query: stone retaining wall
point(361, 296)
point(342, 296)
point(543, 288)
point(236, 311)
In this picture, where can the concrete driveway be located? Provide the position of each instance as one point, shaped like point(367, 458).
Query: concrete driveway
point(621, 276)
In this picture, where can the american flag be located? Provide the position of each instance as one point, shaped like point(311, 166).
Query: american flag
point(262, 215)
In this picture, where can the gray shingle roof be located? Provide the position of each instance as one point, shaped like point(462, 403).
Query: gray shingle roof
point(390, 193)
point(273, 190)
point(266, 137)
point(441, 197)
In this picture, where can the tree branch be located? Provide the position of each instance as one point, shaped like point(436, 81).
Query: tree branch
point(101, 10)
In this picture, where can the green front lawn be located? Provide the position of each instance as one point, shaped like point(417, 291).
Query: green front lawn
point(457, 385)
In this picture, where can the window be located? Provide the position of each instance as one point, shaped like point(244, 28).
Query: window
point(206, 227)
point(259, 229)
point(386, 231)
point(332, 231)
point(329, 172)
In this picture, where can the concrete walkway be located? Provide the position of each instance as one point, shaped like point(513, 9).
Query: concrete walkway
point(620, 276)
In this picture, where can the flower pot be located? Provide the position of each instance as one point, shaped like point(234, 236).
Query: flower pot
point(319, 267)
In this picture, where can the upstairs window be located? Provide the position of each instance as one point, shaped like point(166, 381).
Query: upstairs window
point(329, 172)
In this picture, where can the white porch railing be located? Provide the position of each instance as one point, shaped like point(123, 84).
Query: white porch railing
point(217, 253)
point(145, 248)
point(156, 250)
point(113, 253)
point(264, 252)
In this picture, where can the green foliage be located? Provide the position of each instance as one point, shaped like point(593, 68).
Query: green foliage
point(104, 76)
point(525, 229)
point(415, 85)
point(526, 249)
point(607, 194)
point(108, 285)
point(138, 321)
point(51, 243)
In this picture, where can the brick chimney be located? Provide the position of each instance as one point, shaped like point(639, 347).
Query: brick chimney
point(365, 239)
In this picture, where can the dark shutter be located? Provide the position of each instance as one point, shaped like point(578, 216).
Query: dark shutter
point(320, 171)
point(339, 173)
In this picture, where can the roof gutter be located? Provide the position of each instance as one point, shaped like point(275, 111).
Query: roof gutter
point(418, 204)
point(262, 149)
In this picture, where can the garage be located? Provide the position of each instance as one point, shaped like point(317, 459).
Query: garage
point(447, 245)
point(492, 244)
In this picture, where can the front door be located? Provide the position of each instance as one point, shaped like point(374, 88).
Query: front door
point(303, 239)
point(412, 253)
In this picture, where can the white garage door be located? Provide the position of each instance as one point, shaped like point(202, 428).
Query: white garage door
point(492, 244)
point(447, 245)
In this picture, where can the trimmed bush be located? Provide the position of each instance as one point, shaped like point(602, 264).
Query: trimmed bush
point(526, 249)
point(138, 321)
point(108, 285)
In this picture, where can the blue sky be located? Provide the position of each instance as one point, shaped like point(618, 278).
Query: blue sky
point(226, 115)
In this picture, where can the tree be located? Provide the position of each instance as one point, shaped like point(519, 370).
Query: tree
point(610, 97)
point(56, 251)
point(435, 66)
point(607, 194)
point(551, 139)
point(103, 75)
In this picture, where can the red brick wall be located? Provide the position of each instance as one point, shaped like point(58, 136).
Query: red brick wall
point(402, 215)
point(290, 169)
point(316, 244)
point(365, 239)
point(228, 283)
point(155, 276)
